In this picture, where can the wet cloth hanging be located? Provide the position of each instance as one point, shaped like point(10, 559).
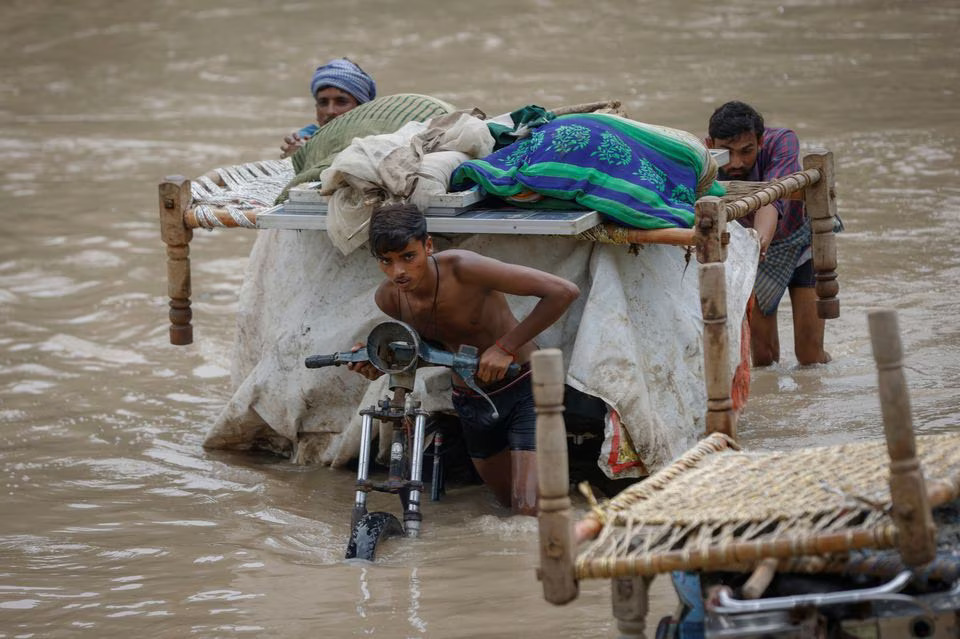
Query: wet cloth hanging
point(642, 175)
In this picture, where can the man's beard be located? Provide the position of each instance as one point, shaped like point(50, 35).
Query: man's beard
point(739, 174)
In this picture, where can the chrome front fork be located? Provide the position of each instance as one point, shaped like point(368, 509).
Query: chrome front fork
point(363, 469)
point(412, 516)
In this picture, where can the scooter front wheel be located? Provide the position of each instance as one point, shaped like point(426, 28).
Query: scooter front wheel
point(368, 532)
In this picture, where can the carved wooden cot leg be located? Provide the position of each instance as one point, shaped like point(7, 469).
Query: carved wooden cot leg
point(175, 198)
point(911, 506)
point(709, 224)
point(631, 603)
point(555, 518)
point(821, 205)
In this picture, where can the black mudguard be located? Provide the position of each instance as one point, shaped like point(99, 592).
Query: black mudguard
point(368, 532)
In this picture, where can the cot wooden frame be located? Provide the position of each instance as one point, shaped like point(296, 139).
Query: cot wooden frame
point(815, 184)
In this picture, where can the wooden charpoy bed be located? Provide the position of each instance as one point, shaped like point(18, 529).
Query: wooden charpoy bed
point(718, 508)
point(242, 197)
point(181, 212)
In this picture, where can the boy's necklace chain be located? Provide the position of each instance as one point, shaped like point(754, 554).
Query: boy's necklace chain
point(436, 294)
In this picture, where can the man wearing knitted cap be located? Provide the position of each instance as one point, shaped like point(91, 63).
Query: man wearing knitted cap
point(337, 87)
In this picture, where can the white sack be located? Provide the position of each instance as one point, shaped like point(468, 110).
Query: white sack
point(633, 338)
point(380, 169)
point(361, 177)
point(433, 176)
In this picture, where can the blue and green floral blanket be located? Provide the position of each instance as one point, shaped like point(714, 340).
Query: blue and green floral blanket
point(642, 175)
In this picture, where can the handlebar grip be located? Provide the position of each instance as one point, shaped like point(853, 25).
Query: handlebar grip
point(513, 370)
point(319, 361)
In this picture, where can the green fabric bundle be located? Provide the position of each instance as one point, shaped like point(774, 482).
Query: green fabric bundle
point(382, 115)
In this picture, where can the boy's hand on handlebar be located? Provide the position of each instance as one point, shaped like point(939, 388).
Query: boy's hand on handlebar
point(493, 365)
point(366, 369)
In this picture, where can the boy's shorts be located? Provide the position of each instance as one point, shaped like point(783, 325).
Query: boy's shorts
point(516, 426)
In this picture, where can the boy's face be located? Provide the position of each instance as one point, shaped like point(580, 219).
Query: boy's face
point(407, 267)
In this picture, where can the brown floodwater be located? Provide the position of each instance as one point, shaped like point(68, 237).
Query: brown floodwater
point(115, 521)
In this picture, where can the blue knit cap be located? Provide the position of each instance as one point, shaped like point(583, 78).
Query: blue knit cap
point(346, 76)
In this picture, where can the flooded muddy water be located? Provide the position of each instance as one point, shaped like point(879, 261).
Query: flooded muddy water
point(115, 521)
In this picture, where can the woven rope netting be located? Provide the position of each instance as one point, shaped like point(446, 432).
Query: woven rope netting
point(246, 188)
point(717, 506)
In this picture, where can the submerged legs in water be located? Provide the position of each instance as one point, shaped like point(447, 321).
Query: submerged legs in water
point(512, 476)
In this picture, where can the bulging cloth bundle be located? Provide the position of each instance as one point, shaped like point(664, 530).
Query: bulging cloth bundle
point(642, 175)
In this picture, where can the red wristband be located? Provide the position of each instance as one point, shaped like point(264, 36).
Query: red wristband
point(506, 350)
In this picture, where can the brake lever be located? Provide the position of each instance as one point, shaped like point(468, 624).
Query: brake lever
point(464, 363)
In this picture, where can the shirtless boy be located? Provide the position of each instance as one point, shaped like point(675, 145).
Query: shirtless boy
point(459, 297)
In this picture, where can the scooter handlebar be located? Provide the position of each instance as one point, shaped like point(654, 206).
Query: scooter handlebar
point(320, 361)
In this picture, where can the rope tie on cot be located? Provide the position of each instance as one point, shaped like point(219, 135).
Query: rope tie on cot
point(596, 508)
point(207, 218)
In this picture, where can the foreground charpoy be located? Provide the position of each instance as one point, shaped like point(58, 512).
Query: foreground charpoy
point(838, 541)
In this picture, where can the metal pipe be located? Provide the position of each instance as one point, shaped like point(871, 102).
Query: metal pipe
point(730, 605)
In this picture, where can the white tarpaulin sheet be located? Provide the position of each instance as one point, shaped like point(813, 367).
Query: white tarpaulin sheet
point(633, 338)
